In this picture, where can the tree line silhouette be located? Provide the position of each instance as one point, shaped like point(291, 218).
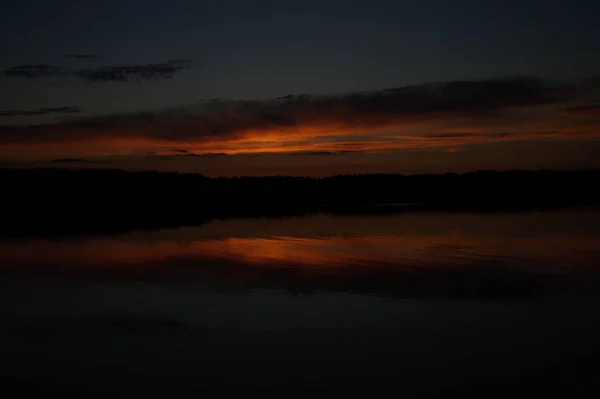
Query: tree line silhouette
point(54, 201)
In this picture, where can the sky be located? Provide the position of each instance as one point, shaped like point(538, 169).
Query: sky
point(234, 87)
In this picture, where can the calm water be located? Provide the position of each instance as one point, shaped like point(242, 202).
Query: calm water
point(418, 303)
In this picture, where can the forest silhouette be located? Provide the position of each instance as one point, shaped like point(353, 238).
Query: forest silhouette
point(54, 201)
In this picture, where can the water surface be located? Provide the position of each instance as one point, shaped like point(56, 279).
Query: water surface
point(420, 303)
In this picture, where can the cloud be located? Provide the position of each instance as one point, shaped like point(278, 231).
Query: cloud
point(339, 152)
point(117, 73)
point(205, 155)
point(41, 111)
point(448, 135)
point(124, 73)
point(69, 160)
point(439, 115)
point(465, 135)
point(82, 56)
point(313, 153)
point(35, 71)
point(584, 110)
point(79, 160)
point(194, 155)
point(170, 155)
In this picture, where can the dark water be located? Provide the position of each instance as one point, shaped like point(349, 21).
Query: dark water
point(418, 304)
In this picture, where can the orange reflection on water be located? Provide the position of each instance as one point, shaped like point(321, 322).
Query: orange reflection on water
point(323, 252)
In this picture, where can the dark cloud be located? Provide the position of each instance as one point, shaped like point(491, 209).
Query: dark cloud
point(203, 155)
point(82, 56)
point(225, 120)
point(313, 153)
point(583, 110)
point(35, 71)
point(324, 152)
point(467, 134)
point(448, 135)
point(208, 155)
point(460, 135)
point(181, 151)
point(118, 73)
point(69, 160)
point(124, 73)
point(41, 111)
point(161, 157)
point(77, 160)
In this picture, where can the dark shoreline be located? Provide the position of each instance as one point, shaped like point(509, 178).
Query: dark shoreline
point(62, 202)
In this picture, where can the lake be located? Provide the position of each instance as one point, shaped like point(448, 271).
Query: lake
point(422, 304)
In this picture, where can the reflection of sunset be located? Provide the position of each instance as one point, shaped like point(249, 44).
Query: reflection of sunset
point(337, 251)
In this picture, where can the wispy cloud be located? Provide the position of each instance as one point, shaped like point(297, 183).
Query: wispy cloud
point(35, 71)
point(583, 110)
point(313, 153)
point(79, 56)
point(175, 154)
point(205, 155)
point(124, 73)
point(69, 160)
point(318, 153)
point(115, 73)
point(41, 111)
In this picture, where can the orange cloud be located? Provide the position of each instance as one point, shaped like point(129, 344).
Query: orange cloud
point(432, 117)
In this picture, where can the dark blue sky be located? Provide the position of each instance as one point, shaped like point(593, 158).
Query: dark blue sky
point(257, 49)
